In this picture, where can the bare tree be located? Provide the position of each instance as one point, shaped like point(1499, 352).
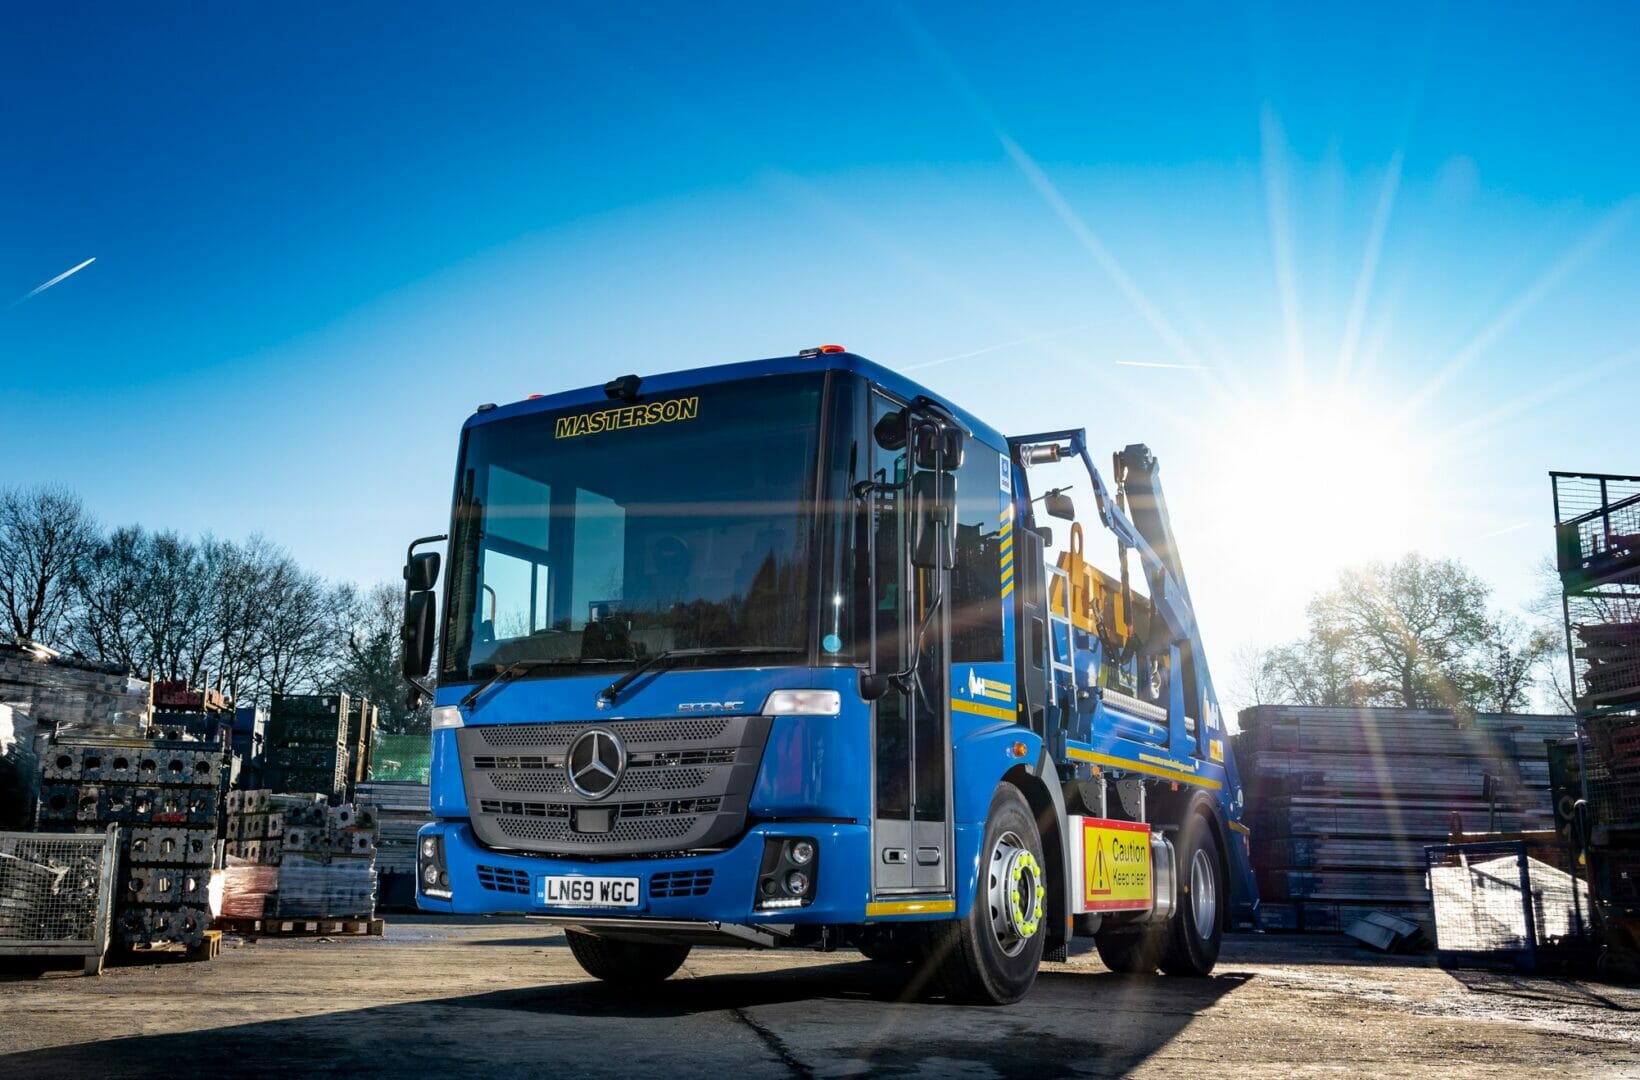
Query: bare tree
point(1514, 653)
point(372, 652)
point(295, 642)
point(44, 533)
point(1409, 632)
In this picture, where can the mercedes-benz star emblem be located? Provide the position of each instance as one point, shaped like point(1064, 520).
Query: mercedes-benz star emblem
point(596, 759)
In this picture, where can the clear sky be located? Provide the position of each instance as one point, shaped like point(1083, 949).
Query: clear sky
point(1388, 254)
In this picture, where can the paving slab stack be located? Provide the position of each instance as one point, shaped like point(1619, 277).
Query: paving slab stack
point(307, 744)
point(1342, 801)
point(294, 856)
point(401, 808)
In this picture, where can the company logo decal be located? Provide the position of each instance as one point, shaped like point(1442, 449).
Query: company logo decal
point(627, 416)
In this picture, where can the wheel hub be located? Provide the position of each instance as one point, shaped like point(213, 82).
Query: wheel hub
point(1204, 899)
point(1016, 893)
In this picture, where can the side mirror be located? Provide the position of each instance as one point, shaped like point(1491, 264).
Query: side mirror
point(937, 446)
point(418, 634)
point(890, 430)
point(1059, 505)
point(421, 571)
point(933, 520)
point(1047, 535)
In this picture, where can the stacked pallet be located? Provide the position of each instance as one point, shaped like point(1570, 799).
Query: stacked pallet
point(306, 744)
point(71, 694)
point(164, 793)
point(295, 856)
point(401, 809)
point(1343, 801)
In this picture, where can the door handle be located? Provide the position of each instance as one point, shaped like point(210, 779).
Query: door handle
point(928, 856)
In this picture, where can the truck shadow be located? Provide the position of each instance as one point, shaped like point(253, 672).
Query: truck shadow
point(844, 1019)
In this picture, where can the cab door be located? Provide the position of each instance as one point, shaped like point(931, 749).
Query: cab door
point(911, 730)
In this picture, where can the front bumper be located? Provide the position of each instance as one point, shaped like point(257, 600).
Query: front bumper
point(715, 886)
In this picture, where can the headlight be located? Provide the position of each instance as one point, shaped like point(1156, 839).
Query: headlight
point(802, 852)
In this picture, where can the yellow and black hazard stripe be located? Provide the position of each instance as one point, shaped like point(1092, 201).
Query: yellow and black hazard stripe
point(1006, 533)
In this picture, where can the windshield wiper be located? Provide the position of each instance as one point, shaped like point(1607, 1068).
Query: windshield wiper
point(609, 693)
point(519, 667)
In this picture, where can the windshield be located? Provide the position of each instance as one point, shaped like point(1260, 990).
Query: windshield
point(610, 532)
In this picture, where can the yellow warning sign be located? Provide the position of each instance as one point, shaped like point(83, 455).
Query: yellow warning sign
point(1115, 865)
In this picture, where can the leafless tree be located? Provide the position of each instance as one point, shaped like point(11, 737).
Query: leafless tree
point(1409, 632)
point(44, 533)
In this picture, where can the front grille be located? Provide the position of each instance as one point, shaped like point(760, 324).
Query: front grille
point(500, 879)
point(684, 787)
point(675, 883)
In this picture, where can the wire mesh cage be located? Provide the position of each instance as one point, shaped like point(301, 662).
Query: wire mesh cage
point(1597, 546)
point(57, 894)
point(1505, 902)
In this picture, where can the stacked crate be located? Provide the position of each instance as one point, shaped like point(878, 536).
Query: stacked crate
point(164, 793)
point(306, 740)
point(1342, 801)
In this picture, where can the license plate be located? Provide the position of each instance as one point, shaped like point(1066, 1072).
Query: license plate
point(575, 890)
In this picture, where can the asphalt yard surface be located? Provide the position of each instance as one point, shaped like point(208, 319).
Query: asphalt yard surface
point(503, 997)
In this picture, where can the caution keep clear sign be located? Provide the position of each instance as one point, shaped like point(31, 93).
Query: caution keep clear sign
point(1115, 865)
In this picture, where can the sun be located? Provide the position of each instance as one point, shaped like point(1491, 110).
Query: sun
point(1299, 485)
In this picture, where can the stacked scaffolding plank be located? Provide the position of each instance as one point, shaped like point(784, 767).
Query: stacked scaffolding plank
point(401, 809)
point(1343, 801)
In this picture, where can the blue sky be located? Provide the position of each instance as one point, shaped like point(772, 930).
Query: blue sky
point(1390, 250)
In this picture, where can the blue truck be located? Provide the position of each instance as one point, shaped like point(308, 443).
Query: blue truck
point(771, 655)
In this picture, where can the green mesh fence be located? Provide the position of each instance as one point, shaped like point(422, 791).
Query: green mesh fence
point(402, 757)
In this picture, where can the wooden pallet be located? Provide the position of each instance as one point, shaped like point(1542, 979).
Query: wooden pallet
point(208, 949)
point(303, 927)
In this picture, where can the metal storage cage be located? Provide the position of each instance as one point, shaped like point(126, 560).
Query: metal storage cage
point(1597, 549)
point(1495, 902)
point(57, 895)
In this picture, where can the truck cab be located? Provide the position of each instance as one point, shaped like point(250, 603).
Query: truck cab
point(768, 654)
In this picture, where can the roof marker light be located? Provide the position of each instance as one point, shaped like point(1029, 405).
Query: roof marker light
point(832, 348)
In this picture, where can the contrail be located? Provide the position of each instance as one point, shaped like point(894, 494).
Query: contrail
point(66, 274)
point(1170, 367)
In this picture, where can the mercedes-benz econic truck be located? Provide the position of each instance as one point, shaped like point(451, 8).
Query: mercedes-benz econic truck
point(771, 655)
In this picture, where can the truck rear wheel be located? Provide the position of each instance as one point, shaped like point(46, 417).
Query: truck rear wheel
point(1196, 931)
point(627, 963)
point(991, 957)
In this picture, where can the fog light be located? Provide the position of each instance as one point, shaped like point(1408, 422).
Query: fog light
point(801, 852)
point(788, 874)
point(797, 883)
point(430, 875)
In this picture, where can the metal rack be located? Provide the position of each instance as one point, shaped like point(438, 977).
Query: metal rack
point(57, 895)
point(1597, 548)
point(1597, 552)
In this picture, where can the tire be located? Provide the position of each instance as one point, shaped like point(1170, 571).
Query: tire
point(991, 957)
point(626, 963)
point(1136, 952)
point(1196, 931)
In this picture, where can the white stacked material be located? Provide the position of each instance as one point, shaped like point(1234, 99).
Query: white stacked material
point(326, 887)
point(401, 809)
point(73, 694)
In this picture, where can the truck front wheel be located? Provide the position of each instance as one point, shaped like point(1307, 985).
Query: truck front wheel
point(991, 957)
point(628, 963)
point(1196, 931)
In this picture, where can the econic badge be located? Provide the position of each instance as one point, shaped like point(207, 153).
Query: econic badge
point(627, 416)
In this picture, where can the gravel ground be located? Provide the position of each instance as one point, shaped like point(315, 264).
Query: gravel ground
point(504, 997)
